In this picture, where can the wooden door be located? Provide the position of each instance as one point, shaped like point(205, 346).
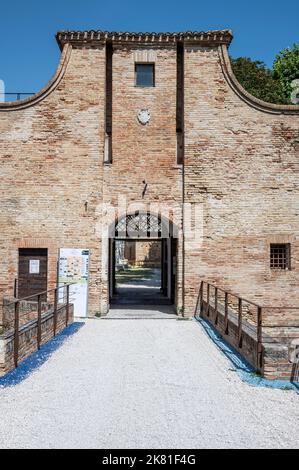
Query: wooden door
point(33, 271)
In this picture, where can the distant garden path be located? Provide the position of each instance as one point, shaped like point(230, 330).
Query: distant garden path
point(139, 286)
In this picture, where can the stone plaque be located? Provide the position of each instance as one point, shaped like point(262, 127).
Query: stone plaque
point(144, 116)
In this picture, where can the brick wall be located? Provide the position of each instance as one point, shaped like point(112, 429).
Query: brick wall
point(249, 343)
point(280, 328)
point(148, 254)
point(28, 337)
point(143, 253)
point(241, 164)
point(51, 160)
point(143, 152)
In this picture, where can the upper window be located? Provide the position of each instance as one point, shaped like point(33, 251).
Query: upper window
point(280, 256)
point(145, 75)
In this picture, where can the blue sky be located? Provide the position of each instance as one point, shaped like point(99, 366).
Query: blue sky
point(29, 53)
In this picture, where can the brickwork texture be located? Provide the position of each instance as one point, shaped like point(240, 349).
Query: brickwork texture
point(240, 165)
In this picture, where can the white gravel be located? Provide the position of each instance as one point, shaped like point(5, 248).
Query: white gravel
point(143, 384)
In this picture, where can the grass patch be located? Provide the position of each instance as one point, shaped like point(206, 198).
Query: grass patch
point(130, 274)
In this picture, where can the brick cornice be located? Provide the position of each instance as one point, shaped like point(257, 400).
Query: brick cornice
point(46, 90)
point(243, 94)
point(96, 38)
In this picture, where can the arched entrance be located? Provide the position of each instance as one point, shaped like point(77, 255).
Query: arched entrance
point(155, 269)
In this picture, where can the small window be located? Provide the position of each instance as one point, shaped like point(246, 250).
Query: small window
point(145, 75)
point(280, 256)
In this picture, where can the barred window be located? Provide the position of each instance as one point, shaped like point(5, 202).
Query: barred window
point(280, 256)
point(145, 75)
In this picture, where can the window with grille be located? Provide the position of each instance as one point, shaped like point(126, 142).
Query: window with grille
point(145, 75)
point(280, 256)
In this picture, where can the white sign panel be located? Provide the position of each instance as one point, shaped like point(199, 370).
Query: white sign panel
point(74, 268)
point(34, 266)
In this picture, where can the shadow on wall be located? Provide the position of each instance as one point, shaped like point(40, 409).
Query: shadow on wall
point(36, 359)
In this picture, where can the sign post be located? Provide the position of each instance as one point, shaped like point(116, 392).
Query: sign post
point(74, 268)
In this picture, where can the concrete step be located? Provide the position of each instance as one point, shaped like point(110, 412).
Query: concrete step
point(141, 312)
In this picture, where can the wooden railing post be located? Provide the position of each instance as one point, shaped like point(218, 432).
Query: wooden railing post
point(259, 337)
point(226, 313)
point(15, 289)
point(67, 304)
point(206, 304)
point(55, 312)
point(39, 321)
point(216, 305)
point(240, 332)
point(200, 298)
point(16, 333)
point(208, 299)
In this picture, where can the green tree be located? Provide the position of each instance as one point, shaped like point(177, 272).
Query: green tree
point(258, 80)
point(286, 69)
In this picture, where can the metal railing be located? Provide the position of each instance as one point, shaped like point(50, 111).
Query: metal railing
point(262, 323)
point(15, 96)
point(248, 314)
point(20, 312)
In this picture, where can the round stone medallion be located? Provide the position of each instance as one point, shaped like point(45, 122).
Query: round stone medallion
point(143, 116)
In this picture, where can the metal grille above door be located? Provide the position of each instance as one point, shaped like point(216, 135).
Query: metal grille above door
point(140, 225)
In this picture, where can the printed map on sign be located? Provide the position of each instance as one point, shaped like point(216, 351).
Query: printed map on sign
point(73, 268)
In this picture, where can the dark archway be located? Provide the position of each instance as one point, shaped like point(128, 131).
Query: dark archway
point(137, 228)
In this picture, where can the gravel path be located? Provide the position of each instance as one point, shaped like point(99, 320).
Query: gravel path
point(139, 289)
point(143, 384)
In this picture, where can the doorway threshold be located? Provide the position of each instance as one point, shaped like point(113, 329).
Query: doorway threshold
point(145, 301)
point(144, 312)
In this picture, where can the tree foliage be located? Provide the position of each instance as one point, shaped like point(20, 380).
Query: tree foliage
point(258, 80)
point(286, 69)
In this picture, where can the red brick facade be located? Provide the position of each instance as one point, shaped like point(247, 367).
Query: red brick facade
point(240, 165)
point(147, 254)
